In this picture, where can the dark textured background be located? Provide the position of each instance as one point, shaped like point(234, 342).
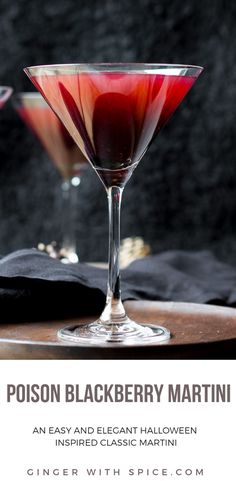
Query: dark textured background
point(183, 194)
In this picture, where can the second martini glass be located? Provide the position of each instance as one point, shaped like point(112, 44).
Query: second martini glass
point(113, 112)
point(65, 155)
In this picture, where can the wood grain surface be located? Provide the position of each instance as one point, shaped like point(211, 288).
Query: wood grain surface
point(198, 332)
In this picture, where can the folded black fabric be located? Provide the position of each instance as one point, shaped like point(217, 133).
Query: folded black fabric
point(35, 286)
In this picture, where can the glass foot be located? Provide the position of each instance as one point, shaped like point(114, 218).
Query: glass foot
point(100, 334)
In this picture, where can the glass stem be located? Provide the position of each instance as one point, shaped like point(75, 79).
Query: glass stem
point(114, 312)
point(69, 198)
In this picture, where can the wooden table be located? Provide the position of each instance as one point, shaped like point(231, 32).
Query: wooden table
point(198, 332)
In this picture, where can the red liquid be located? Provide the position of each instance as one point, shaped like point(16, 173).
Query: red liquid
point(55, 138)
point(114, 117)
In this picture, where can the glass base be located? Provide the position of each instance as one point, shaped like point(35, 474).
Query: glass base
point(99, 333)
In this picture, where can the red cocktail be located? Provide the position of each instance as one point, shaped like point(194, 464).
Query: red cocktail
point(113, 112)
point(64, 153)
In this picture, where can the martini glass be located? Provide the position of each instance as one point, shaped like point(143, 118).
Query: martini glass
point(113, 112)
point(65, 155)
point(5, 93)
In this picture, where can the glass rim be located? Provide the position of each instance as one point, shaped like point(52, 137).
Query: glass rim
point(7, 93)
point(27, 95)
point(31, 98)
point(116, 66)
point(7, 87)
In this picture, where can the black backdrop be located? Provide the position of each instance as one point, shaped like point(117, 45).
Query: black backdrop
point(183, 194)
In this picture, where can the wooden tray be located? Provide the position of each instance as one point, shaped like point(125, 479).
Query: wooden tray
point(198, 332)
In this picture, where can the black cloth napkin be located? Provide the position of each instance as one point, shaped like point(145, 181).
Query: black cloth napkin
point(35, 286)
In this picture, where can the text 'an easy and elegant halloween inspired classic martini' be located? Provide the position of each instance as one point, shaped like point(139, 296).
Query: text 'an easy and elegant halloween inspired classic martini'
point(113, 112)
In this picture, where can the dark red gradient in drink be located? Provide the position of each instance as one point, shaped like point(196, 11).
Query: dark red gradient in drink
point(114, 117)
point(53, 135)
